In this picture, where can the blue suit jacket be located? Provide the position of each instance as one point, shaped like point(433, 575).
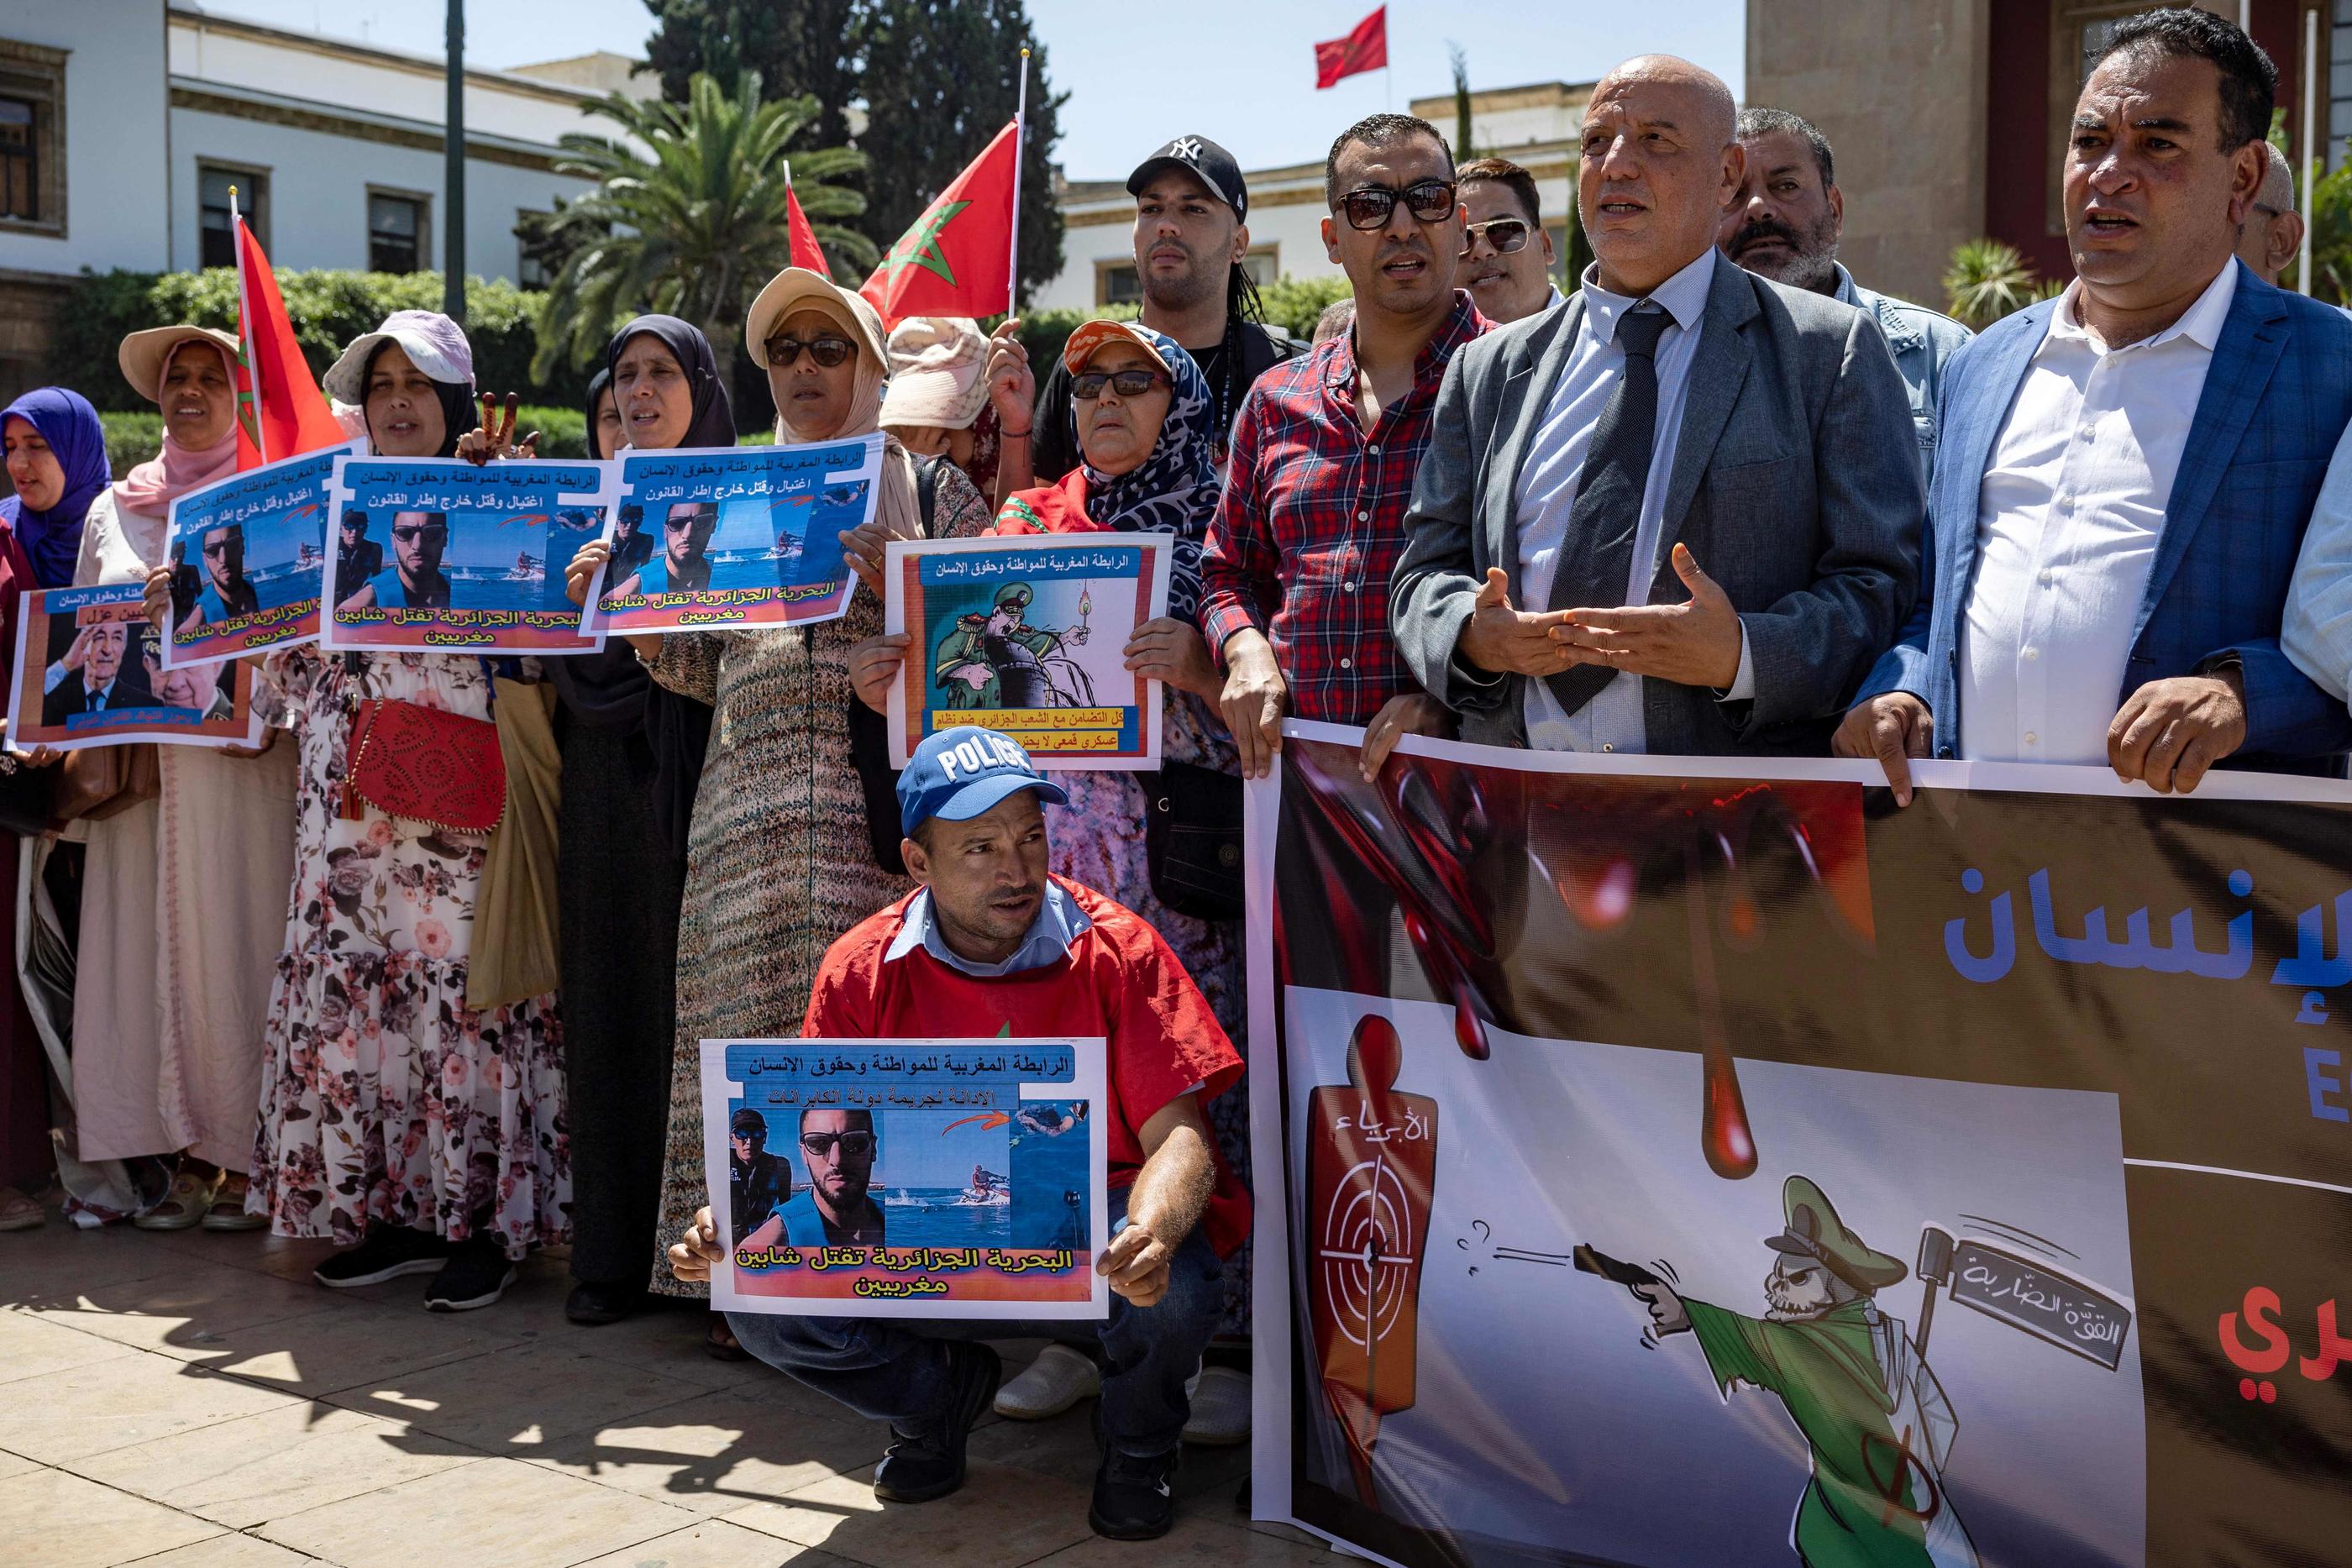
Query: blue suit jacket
point(2277, 399)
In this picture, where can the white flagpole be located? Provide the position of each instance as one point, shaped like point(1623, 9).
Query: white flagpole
point(1020, 136)
point(2311, 67)
point(244, 329)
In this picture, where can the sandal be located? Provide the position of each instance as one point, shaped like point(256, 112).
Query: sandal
point(18, 1212)
point(184, 1206)
point(720, 1341)
point(228, 1211)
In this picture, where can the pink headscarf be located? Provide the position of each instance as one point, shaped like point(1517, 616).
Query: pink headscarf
point(151, 487)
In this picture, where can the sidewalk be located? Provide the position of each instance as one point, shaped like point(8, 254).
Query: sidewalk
point(191, 1400)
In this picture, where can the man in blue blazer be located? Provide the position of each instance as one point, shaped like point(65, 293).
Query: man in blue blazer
point(2127, 471)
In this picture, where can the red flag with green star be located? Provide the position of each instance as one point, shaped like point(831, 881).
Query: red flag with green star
point(280, 411)
point(957, 260)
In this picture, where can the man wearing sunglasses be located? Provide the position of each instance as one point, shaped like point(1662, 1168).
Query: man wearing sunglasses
point(414, 579)
point(1507, 256)
point(226, 593)
point(1681, 513)
point(838, 1149)
point(990, 945)
point(684, 564)
point(1784, 226)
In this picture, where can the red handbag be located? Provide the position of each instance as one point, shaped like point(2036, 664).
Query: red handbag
point(425, 764)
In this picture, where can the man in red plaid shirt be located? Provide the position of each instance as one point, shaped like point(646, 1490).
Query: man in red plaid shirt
point(1298, 562)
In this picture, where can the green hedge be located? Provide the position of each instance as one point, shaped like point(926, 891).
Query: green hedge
point(1291, 303)
point(133, 436)
point(328, 310)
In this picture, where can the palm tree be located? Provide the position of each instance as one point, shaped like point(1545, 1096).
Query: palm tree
point(1989, 280)
point(697, 228)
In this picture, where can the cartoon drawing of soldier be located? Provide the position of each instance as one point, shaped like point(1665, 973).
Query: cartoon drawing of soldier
point(1880, 1427)
point(1000, 661)
point(1372, 1173)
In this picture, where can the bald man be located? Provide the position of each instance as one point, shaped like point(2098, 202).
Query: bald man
point(1680, 515)
point(2272, 236)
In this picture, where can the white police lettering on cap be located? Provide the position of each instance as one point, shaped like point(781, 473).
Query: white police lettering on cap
point(968, 755)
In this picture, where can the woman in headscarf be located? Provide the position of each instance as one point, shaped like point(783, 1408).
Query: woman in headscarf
point(421, 1134)
point(174, 959)
point(632, 754)
point(55, 452)
point(936, 404)
point(778, 864)
point(1147, 435)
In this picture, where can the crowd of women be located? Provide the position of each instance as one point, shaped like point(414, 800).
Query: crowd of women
point(240, 998)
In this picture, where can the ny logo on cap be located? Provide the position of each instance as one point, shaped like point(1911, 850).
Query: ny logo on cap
point(1188, 148)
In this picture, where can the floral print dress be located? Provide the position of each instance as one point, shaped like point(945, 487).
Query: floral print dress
point(384, 1097)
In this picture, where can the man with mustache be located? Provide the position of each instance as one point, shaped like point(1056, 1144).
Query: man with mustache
point(1507, 264)
point(1192, 232)
point(2126, 472)
point(1679, 515)
point(1784, 226)
point(990, 945)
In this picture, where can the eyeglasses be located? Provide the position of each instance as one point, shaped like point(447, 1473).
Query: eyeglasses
point(412, 533)
point(826, 352)
point(217, 546)
point(1506, 234)
point(1429, 202)
point(2268, 211)
point(1087, 385)
point(856, 1145)
point(682, 524)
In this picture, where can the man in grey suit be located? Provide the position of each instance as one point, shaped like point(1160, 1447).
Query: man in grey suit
point(1679, 401)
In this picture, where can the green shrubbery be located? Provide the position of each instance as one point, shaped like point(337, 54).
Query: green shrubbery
point(133, 436)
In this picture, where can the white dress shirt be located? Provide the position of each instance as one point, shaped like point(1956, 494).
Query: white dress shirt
point(2067, 523)
point(1554, 468)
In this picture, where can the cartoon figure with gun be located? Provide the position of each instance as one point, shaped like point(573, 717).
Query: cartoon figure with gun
point(1852, 1379)
point(1000, 661)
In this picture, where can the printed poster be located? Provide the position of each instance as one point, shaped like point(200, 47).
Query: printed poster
point(943, 1178)
point(1028, 635)
point(1670, 1161)
point(89, 671)
point(709, 537)
point(439, 555)
point(245, 557)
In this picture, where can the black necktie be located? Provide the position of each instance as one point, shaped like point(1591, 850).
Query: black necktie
point(1596, 554)
point(98, 700)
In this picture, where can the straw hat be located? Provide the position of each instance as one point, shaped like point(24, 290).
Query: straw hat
point(143, 355)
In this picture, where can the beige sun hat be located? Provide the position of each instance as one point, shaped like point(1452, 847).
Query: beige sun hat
point(797, 286)
point(143, 355)
point(937, 373)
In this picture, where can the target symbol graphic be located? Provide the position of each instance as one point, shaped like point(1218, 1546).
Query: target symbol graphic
point(1366, 1252)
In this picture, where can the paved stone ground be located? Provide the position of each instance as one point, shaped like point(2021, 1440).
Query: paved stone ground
point(193, 1400)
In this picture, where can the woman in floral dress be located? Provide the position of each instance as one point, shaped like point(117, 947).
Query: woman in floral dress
point(421, 1134)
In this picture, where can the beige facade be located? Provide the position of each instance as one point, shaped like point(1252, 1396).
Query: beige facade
point(1898, 87)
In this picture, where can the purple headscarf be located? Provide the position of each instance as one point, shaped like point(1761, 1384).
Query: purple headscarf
point(71, 427)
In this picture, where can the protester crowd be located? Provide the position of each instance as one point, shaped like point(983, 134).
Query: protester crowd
point(1723, 498)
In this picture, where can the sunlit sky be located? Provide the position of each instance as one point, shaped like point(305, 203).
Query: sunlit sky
point(1239, 71)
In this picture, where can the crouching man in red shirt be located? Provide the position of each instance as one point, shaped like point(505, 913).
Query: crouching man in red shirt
point(990, 944)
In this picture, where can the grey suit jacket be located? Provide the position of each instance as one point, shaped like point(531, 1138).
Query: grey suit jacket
point(1795, 483)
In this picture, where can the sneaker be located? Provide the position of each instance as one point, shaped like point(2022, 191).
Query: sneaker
point(476, 1274)
point(594, 1303)
point(1221, 1408)
point(921, 1469)
point(387, 1252)
point(1132, 1500)
point(1059, 1378)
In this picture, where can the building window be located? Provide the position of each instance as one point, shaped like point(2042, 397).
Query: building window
point(395, 233)
point(1115, 282)
point(215, 239)
point(1263, 263)
point(32, 139)
point(528, 273)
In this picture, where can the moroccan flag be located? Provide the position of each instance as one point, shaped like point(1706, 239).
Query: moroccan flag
point(1365, 49)
point(806, 251)
point(958, 258)
point(280, 411)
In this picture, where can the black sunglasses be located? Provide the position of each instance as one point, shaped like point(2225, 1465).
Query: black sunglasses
point(1429, 202)
point(1087, 385)
point(856, 1145)
point(1506, 234)
point(826, 352)
point(416, 530)
point(217, 546)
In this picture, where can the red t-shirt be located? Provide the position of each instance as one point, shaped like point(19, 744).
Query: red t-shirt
point(1119, 981)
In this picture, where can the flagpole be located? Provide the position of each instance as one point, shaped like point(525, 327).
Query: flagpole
point(1020, 135)
point(245, 330)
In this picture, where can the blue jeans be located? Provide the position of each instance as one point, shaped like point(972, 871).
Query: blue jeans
point(896, 1369)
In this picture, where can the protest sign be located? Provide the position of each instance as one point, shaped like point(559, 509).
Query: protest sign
point(707, 538)
point(444, 556)
point(1027, 634)
point(940, 1178)
point(89, 671)
point(1961, 1184)
point(245, 557)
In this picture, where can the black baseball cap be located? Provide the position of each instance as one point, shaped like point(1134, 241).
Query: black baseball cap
point(1211, 164)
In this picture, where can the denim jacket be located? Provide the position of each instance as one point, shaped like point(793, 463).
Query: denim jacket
point(1924, 341)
